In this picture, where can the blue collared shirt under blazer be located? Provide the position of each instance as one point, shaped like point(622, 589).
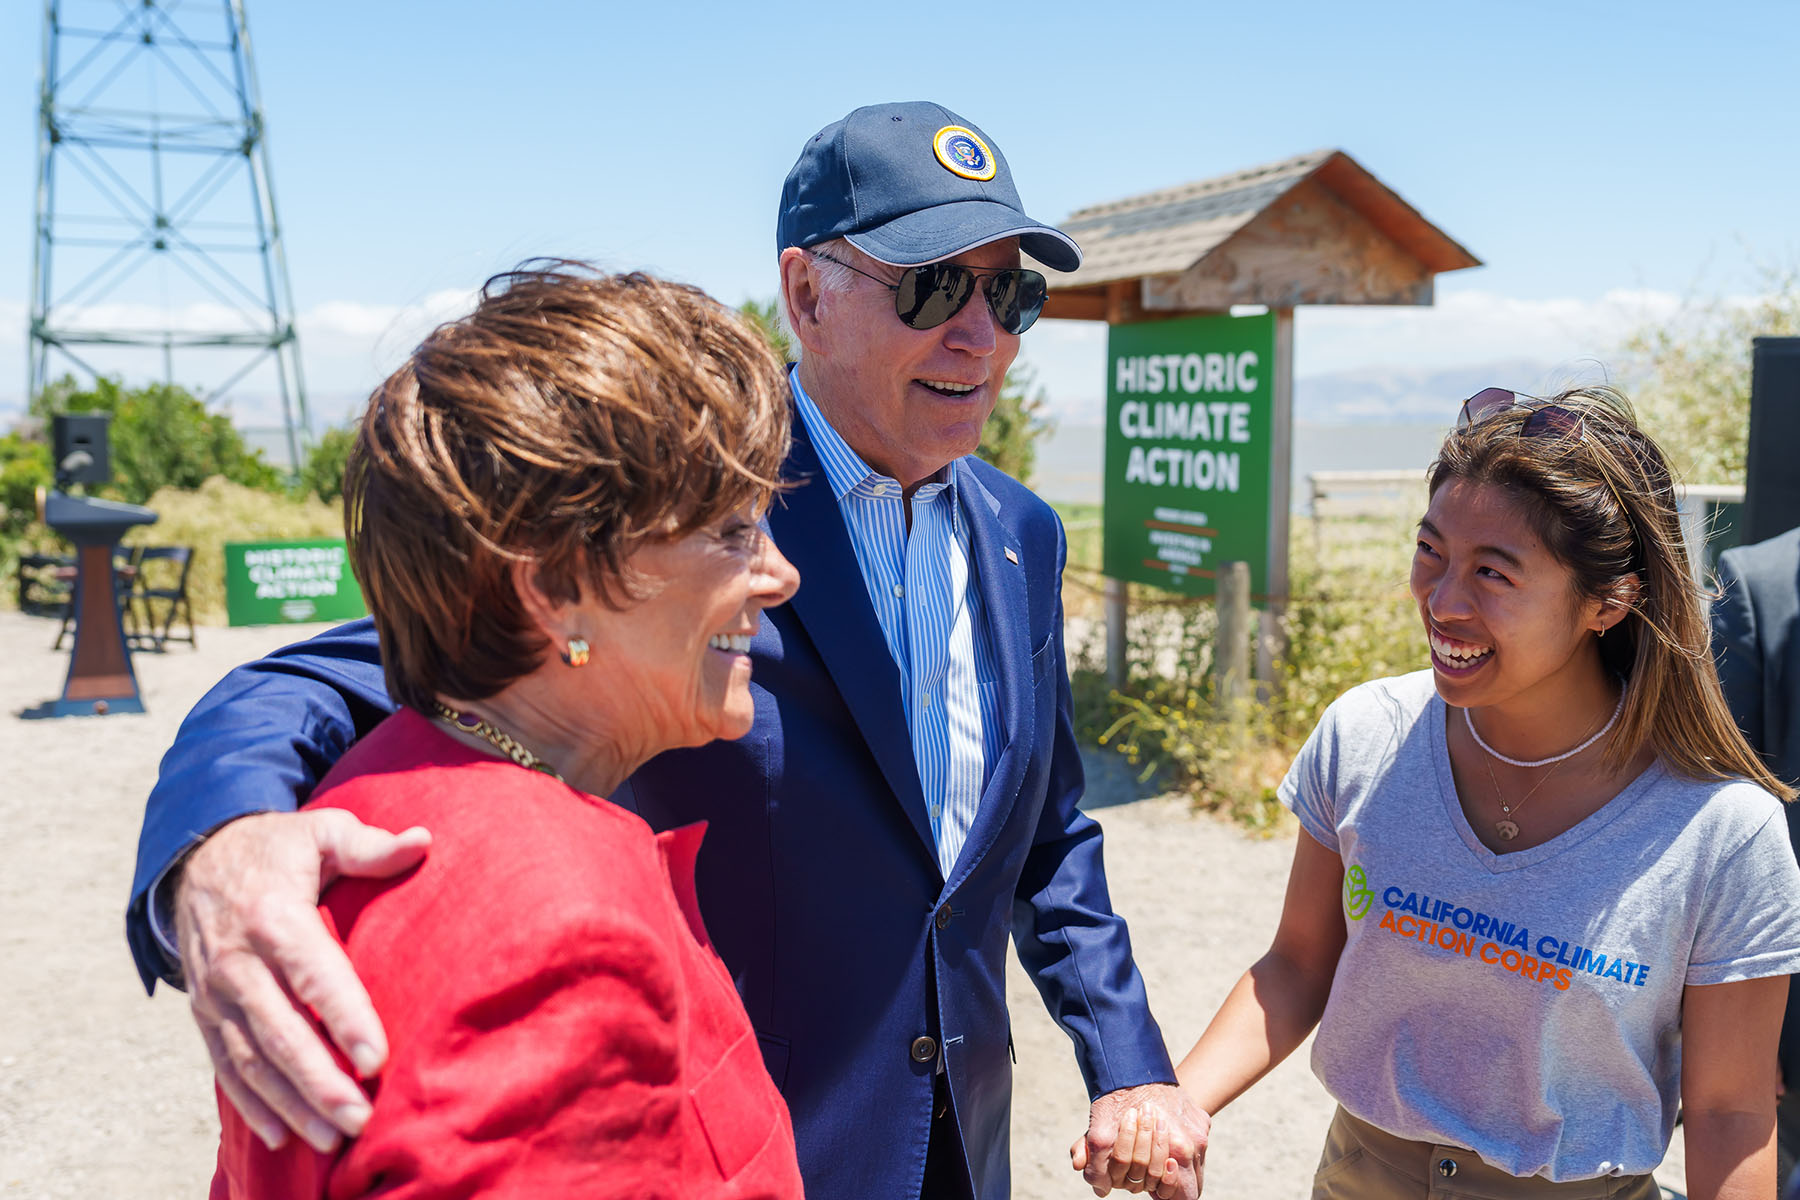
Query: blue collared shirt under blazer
point(934, 622)
point(821, 879)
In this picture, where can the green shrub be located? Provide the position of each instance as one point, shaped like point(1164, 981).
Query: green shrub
point(1009, 439)
point(1350, 619)
point(161, 436)
point(24, 468)
point(766, 316)
point(322, 475)
point(1691, 385)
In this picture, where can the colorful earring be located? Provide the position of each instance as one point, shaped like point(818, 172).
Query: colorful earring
point(577, 653)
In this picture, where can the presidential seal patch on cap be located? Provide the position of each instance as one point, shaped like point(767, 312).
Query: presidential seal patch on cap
point(963, 153)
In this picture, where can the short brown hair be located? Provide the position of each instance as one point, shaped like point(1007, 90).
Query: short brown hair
point(570, 418)
point(1602, 498)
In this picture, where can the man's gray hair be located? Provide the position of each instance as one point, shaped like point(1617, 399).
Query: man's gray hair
point(832, 277)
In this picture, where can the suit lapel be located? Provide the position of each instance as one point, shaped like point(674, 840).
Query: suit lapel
point(994, 553)
point(837, 615)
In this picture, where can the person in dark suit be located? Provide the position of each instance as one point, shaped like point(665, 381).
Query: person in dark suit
point(905, 800)
point(1756, 643)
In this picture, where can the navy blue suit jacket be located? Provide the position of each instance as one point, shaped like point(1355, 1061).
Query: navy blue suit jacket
point(1756, 642)
point(818, 879)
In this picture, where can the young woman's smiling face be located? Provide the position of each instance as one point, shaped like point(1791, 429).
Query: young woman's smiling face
point(1500, 611)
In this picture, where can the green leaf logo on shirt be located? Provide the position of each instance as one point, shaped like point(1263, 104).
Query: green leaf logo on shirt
point(1357, 895)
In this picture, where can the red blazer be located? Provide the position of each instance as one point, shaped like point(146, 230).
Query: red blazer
point(558, 1022)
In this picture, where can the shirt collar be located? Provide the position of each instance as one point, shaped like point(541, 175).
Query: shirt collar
point(845, 469)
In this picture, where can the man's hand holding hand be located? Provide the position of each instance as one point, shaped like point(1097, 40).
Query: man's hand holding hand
point(256, 956)
point(1148, 1138)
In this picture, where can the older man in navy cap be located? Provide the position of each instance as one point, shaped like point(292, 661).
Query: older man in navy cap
point(906, 800)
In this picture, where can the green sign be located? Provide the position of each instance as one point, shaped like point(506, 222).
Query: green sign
point(1189, 414)
point(273, 583)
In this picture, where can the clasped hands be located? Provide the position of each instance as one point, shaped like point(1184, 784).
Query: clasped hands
point(275, 1070)
point(1144, 1139)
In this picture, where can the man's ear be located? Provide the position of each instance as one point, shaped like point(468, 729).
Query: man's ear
point(800, 294)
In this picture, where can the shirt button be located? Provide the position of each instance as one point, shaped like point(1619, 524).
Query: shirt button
point(944, 913)
point(924, 1049)
point(927, 702)
point(1447, 1167)
point(899, 591)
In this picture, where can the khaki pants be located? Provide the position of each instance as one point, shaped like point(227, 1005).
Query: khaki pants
point(1362, 1162)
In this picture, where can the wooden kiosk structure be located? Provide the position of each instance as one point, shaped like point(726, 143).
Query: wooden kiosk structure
point(1317, 229)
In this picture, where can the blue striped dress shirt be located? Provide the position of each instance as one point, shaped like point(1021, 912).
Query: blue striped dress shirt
point(932, 617)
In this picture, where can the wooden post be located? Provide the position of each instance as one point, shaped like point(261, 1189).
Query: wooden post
point(1269, 645)
point(1116, 612)
point(1231, 648)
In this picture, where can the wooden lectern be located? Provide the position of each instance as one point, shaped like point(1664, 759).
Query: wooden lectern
point(100, 680)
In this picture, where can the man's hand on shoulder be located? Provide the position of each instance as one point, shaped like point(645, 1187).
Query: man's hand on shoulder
point(257, 955)
point(1144, 1139)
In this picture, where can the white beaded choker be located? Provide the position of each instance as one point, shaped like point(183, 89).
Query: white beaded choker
point(1554, 758)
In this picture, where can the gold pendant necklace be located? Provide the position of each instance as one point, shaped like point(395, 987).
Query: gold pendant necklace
point(499, 739)
point(1506, 827)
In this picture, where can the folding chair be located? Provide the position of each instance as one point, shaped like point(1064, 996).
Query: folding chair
point(180, 559)
point(125, 571)
point(41, 593)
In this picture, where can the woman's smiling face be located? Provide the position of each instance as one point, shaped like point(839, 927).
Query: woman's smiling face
point(682, 653)
point(1500, 611)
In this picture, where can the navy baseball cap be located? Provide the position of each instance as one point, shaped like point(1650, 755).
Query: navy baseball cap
point(908, 184)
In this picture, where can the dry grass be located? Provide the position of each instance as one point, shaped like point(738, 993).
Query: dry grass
point(221, 511)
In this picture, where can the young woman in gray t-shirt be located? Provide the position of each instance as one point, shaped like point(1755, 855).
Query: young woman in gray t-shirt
point(1545, 894)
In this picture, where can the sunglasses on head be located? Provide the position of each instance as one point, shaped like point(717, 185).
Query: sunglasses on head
point(1543, 416)
point(928, 296)
point(1553, 420)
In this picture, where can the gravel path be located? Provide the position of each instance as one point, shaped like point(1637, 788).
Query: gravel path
point(106, 1094)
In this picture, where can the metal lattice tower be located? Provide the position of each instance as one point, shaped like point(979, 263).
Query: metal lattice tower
point(154, 204)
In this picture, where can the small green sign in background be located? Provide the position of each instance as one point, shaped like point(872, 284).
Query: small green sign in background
point(276, 583)
point(1189, 419)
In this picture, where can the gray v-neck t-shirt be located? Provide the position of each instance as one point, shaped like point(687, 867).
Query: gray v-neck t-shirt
point(1527, 1006)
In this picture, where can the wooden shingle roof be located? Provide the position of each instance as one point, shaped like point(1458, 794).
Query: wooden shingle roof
point(1343, 211)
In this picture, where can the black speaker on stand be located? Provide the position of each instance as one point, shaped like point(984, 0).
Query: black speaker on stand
point(81, 449)
point(1772, 465)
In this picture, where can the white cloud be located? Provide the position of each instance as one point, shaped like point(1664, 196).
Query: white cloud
point(351, 345)
point(347, 346)
point(1465, 328)
point(1474, 326)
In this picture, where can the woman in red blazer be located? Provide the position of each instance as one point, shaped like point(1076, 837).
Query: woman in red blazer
point(552, 510)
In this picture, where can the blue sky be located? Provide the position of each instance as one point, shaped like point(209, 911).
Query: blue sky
point(1604, 159)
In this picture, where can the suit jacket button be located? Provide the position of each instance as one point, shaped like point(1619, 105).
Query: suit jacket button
point(924, 1049)
point(944, 913)
point(1447, 1167)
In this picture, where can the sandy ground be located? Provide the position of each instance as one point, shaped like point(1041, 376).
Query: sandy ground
point(104, 1093)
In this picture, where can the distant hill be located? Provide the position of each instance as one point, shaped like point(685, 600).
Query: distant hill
point(1392, 395)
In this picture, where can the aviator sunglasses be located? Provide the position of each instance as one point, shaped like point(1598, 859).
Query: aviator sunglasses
point(1544, 417)
point(928, 296)
point(1553, 420)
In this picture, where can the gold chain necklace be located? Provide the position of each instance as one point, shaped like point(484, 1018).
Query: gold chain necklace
point(499, 739)
point(1506, 827)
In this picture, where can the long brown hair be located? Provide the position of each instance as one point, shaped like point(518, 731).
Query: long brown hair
point(1599, 492)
